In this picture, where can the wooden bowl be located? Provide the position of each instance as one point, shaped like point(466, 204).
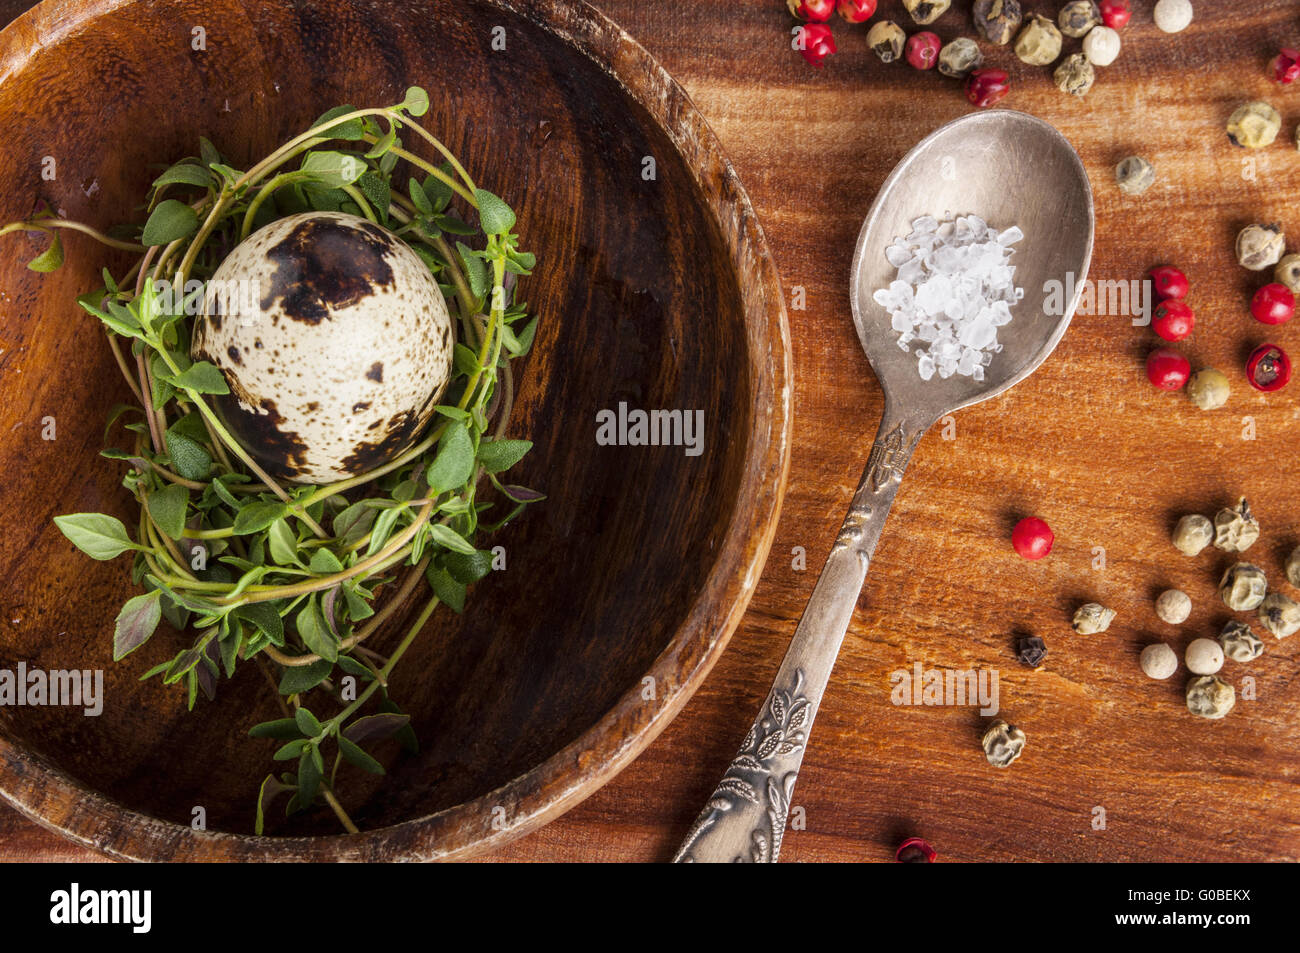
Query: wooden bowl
point(620, 590)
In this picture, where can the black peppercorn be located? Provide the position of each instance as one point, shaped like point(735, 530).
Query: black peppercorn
point(1031, 650)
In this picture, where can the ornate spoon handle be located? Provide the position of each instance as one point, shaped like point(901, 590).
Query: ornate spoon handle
point(746, 816)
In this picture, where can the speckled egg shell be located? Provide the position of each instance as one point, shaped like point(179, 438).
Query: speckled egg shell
point(348, 346)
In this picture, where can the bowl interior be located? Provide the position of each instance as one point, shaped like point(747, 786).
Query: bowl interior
point(639, 304)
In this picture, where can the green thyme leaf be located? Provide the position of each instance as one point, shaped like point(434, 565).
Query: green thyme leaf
point(135, 623)
point(50, 259)
point(468, 567)
point(300, 678)
point(449, 590)
point(324, 563)
point(95, 534)
point(264, 616)
point(282, 542)
point(170, 221)
point(282, 729)
point(375, 727)
point(315, 634)
point(257, 516)
point(307, 723)
point(448, 537)
point(309, 775)
point(355, 756)
point(167, 507)
point(201, 378)
point(188, 458)
point(495, 217)
point(498, 455)
point(185, 172)
point(475, 271)
point(455, 460)
point(349, 131)
point(333, 169)
point(416, 102)
point(419, 199)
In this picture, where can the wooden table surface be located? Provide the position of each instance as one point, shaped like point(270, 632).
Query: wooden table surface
point(1115, 767)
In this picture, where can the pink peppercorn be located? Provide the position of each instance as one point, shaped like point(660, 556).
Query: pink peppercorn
point(818, 11)
point(984, 87)
point(914, 850)
point(1115, 13)
point(1268, 368)
point(1173, 320)
point(1286, 67)
point(1273, 304)
point(1032, 538)
point(857, 11)
point(1169, 282)
point(923, 49)
point(816, 42)
point(1167, 369)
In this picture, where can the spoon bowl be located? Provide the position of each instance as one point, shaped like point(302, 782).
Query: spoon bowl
point(1008, 168)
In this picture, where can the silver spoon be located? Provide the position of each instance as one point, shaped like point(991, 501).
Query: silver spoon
point(1008, 168)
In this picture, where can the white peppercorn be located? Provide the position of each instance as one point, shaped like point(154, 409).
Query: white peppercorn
point(1260, 246)
point(1235, 529)
point(1002, 743)
point(1075, 75)
point(926, 11)
point(1293, 567)
point(1254, 125)
point(1135, 175)
point(1159, 661)
point(1078, 17)
point(1174, 606)
point(886, 39)
point(958, 57)
point(1242, 587)
point(1287, 273)
point(1239, 643)
point(1280, 615)
point(1210, 696)
point(1192, 534)
point(997, 20)
point(1173, 16)
point(1091, 618)
point(1208, 388)
point(1039, 43)
point(1203, 656)
point(1101, 46)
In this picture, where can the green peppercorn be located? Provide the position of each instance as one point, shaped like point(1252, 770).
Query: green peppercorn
point(926, 11)
point(1287, 273)
point(1280, 615)
point(1235, 529)
point(1091, 618)
point(1242, 587)
point(1075, 75)
point(1210, 696)
point(1260, 246)
point(886, 40)
point(1039, 43)
point(1135, 175)
point(1254, 125)
point(1239, 643)
point(1208, 389)
point(997, 20)
point(1078, 17)
point(958, 57)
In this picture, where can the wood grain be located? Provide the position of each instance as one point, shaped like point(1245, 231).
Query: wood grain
point(1085, 443)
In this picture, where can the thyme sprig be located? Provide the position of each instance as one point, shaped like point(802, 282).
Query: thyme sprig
point(289, 575)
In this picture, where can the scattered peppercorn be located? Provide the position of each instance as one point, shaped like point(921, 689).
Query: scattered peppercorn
point(1091, 618)
point(886, 39)
point(1286, 67)
point(1293, 568)
point(1169, 282)
point(1287, 273)
point(1135, 175)
point(1159, 661)
point(1101, 46)
point(1075, 75)
point(1168, 370)
point(984, 87)
point(1268, 368)
point(1210, 696)
point(1116, 13)
point(1280, 614)
point(1208, 389)
point(1260, 246)
point(1031, 650)
point(915, 851)
point(1203, 656)
point(958, 57)
point(1173, 320)
point(1078, 17)
point(1239, 643)
point(923, 49)
point(1192, 534)
point(1254, 125)
point(816, 11)
point(926, 11)
point(1174, 606)
point(1002, 743)
point(1242, 587)
point(997, 20)
point(1235, 528)
point(1173, 16)
point(1273, 304)
point(816, 42)
point(1039, 43)
point(1032, 538)
point(857, 11)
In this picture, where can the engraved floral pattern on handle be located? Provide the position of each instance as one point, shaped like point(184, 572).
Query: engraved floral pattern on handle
point(755, 775)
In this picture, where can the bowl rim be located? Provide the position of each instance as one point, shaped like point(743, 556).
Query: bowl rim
point(53, 799)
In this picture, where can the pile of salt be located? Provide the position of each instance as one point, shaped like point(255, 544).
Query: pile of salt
point(953, 291)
